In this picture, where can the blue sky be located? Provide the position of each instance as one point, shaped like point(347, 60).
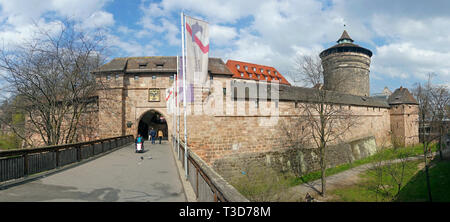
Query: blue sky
point(408, 38)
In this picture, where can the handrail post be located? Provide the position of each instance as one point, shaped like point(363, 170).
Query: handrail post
point(25, 164)
point(57, 158)
point(78, 148)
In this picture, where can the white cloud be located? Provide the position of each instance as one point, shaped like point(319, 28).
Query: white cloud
point(222, 35)
point(99, 19)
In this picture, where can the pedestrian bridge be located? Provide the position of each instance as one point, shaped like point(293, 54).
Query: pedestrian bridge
point(109, 170)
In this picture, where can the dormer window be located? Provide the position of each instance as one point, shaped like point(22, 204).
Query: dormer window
point(142, 65)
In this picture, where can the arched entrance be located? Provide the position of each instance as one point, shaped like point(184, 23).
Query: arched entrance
point(152, 119)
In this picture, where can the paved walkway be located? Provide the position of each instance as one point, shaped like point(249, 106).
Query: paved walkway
point(122, 175)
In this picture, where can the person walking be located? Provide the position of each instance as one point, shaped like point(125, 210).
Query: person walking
point(153, 135)
point(160, 135)
point(139, 143)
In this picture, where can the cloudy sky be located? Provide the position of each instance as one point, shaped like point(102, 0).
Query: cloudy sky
point(408, 38)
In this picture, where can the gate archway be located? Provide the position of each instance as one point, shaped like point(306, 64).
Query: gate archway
point(152, 119)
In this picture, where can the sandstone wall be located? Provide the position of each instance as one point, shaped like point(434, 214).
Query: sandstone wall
point(404, 124)
point(347, 72)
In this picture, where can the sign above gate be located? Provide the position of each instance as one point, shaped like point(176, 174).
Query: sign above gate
point(154, 95)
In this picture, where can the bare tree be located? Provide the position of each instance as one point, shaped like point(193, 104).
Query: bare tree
point(50, 76)
point(433, 101)
point(440, 100)
point(324, 122)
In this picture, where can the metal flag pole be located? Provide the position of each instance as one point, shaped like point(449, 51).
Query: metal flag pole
point(184, 96)
point(173, 110)
point(177, 115)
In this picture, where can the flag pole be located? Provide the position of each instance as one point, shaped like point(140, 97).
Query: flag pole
point(177, 114)
point(184, 95)
point(173, 110)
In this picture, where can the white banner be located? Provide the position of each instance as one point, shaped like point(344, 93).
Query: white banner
point(197, 50)
point(169, 97)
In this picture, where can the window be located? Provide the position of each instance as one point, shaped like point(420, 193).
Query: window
point(136, 77)
point(265, 77)
point(153, 77)
point(238, 66)
point(259, 76)
point(224, 91)
point(171, 78)
point(211, 77)
point(117, 76)
point(250, 75)
point(275, 72)
point(262, 70)
point(268, 71)
point(108, 77)
point(246, 68)
point(242, 74)
point(254, 69)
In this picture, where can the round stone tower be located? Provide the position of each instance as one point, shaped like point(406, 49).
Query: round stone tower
point(346, 67)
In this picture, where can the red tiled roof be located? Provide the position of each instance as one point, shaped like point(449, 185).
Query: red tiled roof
point(252, 71)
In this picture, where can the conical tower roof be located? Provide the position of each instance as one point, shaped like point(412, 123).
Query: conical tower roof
point(344, 36)
point(345, 44)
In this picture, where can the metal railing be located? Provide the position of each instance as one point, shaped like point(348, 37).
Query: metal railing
point(19, 163)
point(208, 185)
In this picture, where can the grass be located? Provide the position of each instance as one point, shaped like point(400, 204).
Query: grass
point(414, 188)
point(385, 154)
point(377, 189)
point(8, 142)
point(265, 184)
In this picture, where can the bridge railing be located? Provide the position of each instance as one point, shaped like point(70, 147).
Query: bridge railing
point(208, 185)
point(19, 163)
